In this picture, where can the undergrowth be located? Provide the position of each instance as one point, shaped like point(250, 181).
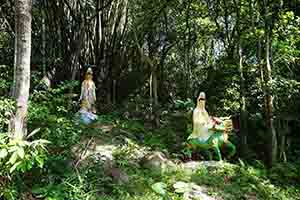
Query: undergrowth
point(59, 179)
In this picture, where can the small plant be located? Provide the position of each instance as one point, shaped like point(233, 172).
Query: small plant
point(187, 152)
point(184, 105)
point(21, 155)
point(160, 188)
point(6, 108)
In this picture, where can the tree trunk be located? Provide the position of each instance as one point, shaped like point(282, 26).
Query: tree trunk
point(44, 42)
point(187, 47)
point(155, 85)
point(283, 131)
point(114, 92)
point(243, 109)
point(269, 103)
point(22, 66)
point(268, 98)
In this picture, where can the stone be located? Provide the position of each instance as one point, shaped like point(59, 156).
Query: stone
point(154, 161)
point(119, 176)
point(193, 166)
point(192, 191)
point(94, 148)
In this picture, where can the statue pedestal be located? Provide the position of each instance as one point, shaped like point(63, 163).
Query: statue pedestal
point(86, 117)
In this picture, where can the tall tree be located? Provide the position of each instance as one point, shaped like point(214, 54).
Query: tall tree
point(269, 16)
point(22, 66)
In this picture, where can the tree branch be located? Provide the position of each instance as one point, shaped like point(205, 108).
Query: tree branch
point(100, 9)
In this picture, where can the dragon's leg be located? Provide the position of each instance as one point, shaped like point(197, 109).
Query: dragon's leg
point(232, 149)
point(218, 152)
point(209, 154)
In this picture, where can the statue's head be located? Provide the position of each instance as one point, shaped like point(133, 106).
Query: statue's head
point(89, 74)
point(201, 100)
point(228, 125)
point(202, 96)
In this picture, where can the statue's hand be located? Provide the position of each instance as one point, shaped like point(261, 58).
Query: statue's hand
point(225, 118)
point(216, 120)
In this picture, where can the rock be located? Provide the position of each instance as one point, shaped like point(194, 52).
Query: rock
point(120, 177)
point(141, 153)
point(103, 156)
point(154, 161)
point(93, 148)
point(193, 166)
point(158, 163)
point(105, 128)
point(196, 195)
point(192, 191)
point(170, 166)
point(199, 192)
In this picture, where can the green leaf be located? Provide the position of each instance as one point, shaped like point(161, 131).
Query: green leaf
point(21, 152)
point(3, 153)
point(15, 166)
point(13, 148)
point(33, 132)
point(40, 161)
point(159, 188)
point(40, 192)
point(13, 158)
point(181, 187)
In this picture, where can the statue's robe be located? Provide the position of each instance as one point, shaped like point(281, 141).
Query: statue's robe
point(88, 94)
point(201, 124)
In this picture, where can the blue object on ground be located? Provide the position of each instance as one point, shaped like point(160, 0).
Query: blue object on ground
point(86, 117)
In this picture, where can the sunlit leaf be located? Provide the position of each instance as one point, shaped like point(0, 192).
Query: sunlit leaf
point(15, 166)
point(33, 132)
point(3, 153)
point(181, 187)
point(159, 188)
point(13, 158)
point(21, 152)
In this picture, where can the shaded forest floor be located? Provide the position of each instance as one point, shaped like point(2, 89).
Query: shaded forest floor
point(124, 158)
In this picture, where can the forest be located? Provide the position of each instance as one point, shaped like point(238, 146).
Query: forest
point(149, 99)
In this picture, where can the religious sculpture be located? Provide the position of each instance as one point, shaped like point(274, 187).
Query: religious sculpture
point(88, 91)
point(209, 132)
point(87, 99)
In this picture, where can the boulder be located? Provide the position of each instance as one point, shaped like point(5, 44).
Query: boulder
point(119, 176)
point(157, 162)
point(192, 191)
point(154, 161)
point(193, 166)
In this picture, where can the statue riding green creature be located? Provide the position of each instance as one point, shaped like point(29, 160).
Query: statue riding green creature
point(210, 133)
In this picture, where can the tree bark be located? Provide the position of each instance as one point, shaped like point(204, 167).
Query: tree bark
point(269, 104)
point(243, 108)
point(44, 42)
point(269, 107)
point(22, 67)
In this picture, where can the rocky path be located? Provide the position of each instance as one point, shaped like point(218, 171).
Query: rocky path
point(103, 146)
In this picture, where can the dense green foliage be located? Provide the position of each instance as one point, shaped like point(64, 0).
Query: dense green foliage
point(150, 61)
point(60, 180)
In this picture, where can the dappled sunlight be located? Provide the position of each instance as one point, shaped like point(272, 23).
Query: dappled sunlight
point(122, 100)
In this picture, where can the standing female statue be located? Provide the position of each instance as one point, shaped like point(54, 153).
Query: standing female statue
point(87, 99)
point(88, 92)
